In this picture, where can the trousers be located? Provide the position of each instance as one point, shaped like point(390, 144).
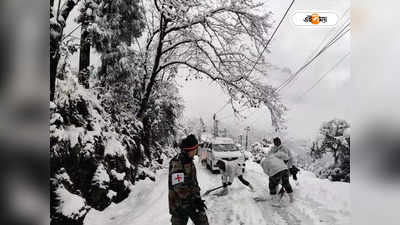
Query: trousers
point(282, 176)
point(181, 218)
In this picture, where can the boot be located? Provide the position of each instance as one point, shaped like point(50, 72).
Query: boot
point(281, 193)
point(275, 201)
point(291, 197)
point(223, 192)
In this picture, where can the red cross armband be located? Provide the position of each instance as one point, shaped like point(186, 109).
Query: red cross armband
point(177, 178)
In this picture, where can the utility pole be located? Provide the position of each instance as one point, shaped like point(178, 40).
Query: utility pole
point(224, 134)
point(202, 125)
point(247, 129)
point(215, 126)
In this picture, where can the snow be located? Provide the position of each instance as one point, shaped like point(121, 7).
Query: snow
point(347, 132)
point(55, 117)
point(317, 202)
point(222, 140)
point(111, 194)
point(343, 141)
point(113, 146)
point(319, 165)
point(71, 205)
point(63, 176)
point(147, 171)
point(118, 176)
point(206, 137)
point(53, 21)
point(70, 133)
point(101, 177)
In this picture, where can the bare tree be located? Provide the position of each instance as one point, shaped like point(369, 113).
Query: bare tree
point(219, 40)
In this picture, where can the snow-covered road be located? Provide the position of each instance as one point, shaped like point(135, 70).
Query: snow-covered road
point(317, 202)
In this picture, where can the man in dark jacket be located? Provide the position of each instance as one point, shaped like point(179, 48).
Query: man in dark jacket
point(184, 191)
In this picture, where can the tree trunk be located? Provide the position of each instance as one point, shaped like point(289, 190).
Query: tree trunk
point(55, 43)
point(146, 138)
point(84, 56)
point(145, 100)
point(53, 72)
point(336, 156)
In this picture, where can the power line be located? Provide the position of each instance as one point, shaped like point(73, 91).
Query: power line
point(340, 35)
point(323, 76)
point(233, 114)
point(334, 40)
point(329, 33)
point(262, 52)
point(222, 107)
point(291, 78)
point(326, 37)
point(273, 34)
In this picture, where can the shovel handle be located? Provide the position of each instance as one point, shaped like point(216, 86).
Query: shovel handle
point(208, 192)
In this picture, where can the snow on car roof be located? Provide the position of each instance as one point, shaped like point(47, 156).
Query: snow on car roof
point(222, 140)
point(205, 137)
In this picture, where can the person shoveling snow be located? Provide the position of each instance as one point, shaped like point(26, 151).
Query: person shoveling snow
point(230, 170)
point(274, 166)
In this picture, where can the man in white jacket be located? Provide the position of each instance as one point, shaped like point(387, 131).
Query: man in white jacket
point(278, 147)
point(230, 170)
point(275, 167)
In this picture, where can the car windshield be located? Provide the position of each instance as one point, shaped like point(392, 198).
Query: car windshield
point(225, 147)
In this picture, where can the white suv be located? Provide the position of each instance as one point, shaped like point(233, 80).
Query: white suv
point(223, 148)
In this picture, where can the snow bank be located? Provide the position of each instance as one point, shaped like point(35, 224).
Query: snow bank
point(71, 205)
point(113, 146)
point(317, 202)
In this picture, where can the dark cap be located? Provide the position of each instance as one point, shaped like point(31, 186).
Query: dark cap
point(190, 143)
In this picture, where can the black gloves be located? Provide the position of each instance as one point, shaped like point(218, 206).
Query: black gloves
point(226, 184)
point(200, 204)
point(294, 170)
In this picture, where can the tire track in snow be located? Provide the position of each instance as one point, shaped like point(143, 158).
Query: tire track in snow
point(235, 208)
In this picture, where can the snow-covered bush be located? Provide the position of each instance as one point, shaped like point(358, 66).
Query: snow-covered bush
point(330, 151)
point(70, 208)
point(92, 156)
point(259, 149)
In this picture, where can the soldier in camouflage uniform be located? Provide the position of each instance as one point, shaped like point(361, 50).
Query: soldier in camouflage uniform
point(184, 191)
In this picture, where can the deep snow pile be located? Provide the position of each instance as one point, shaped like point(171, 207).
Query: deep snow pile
point(93, 159)
point(323, 165)
point(317, 202)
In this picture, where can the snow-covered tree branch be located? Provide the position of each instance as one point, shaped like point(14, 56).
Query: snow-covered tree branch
point(219, 40)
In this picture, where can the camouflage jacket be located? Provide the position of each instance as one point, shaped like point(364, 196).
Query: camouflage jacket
point(182, 183)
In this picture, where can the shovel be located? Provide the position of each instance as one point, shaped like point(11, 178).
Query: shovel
point(208, 192)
